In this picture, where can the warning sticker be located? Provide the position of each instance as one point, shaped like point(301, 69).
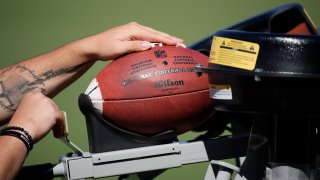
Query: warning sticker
point(220, 92)
point(234, 53)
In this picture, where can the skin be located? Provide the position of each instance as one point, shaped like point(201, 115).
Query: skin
point(26, 87)
point(38, 125)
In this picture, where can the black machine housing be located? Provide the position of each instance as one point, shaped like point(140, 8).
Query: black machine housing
point(287, 71)
point(277, 101)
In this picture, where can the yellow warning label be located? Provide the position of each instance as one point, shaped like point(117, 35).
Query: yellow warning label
point(234, 53)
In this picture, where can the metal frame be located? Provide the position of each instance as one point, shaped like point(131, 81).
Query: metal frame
point(157, 157)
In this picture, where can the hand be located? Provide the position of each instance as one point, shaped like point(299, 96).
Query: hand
point(38, 114)
point(124, 39)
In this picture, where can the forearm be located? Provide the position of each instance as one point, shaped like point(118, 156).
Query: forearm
point(12, 155)
point(49, 73)
point(52, 72)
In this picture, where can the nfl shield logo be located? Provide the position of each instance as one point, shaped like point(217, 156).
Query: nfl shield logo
point(160, 54)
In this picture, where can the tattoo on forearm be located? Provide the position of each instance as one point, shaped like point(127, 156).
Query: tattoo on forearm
point(24, 80)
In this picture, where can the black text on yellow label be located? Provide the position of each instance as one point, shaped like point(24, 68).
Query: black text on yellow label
point(234, 53)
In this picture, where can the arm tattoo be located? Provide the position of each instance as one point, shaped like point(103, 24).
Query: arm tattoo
point(24, 80)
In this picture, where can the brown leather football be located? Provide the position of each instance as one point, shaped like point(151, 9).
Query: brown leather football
point(153, 91)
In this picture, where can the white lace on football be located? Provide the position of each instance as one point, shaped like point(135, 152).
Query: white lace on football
point(156, 44)
point(160, 44)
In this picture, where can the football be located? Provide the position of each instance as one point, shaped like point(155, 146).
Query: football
point(152, 91)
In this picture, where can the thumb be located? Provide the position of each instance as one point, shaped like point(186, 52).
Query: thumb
point(60, 128)
point(133, 46)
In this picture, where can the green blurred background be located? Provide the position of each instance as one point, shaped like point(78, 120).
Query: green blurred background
point(30, 28)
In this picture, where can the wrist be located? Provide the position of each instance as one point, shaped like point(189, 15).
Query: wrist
point(26, 129)
point(85, 48)
point(19, 133)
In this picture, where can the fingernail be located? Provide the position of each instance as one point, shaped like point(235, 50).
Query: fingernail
point(145, 45)
point(181, 44)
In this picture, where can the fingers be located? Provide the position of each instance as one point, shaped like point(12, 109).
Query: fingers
point(178, 40)
point(124, 39)
point(132, 46)
point(38, 114)
point(124, 47)
point(140, 32)
point(140, 37)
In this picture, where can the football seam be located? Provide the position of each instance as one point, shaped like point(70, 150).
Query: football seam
point(156, 97)
point(92, 90)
